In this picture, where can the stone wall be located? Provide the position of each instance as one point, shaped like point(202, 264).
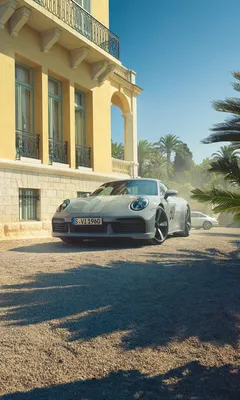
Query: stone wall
point(54, 186)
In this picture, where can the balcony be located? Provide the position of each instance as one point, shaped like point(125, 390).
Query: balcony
point(58, 151)
point(122, 167)
point(27, 145)
point(69, 12)
point(83, 156)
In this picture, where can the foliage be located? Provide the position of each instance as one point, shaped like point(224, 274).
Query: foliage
point(182, 160)
point(225, 152)
point(228, 131)
point(145, 150)
point(166, 145)
point(223, 200)
point(117, 150)
point(225, 162)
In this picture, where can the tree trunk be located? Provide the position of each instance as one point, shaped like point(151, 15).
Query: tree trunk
point(168, 164)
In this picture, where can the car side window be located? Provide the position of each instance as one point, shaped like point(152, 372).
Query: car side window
point(193, 215)
point(106, 191)
point(162, 189)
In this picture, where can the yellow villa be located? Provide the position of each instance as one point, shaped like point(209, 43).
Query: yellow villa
point(60, 73)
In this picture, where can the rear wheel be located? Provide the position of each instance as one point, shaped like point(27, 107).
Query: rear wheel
point(71, 241)
point(187, 224)
point(161, 226)
point(207, 225)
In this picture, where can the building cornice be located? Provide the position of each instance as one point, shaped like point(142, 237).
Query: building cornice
point(136, 90)
point(34, 167)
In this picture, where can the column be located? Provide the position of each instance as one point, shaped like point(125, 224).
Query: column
point(41, 110)
point(135, 138)
point(130, 138)
point(101, 123)
point(69, 121)
point(7, 106)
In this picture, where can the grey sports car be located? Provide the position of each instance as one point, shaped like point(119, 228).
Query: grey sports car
point(140, 208)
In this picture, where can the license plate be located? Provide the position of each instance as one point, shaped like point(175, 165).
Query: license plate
point(87, 221)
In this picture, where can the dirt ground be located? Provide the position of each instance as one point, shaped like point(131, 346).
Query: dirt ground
point(121, 322)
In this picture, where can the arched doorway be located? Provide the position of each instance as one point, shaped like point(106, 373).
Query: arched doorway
point(121, 101)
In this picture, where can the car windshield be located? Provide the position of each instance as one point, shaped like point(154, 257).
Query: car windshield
point(130, 187)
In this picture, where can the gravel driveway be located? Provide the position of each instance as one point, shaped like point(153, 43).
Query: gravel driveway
point(121, 322)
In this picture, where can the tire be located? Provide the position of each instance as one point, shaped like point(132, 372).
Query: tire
point(71, 241)
point(161, 227)
point(207, 225)
point(187, 224)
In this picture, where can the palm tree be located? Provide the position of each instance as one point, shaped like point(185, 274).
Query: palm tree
point(228, 131)
point(166, 145)
point(226, 152)
point(155, 167)
point(222, 200)
point(226, 161)
point(117, 150)
point(145, 150)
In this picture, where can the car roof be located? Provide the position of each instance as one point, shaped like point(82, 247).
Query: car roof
point(135, 179)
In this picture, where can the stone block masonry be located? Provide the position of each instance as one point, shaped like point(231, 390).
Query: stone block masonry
point(53, 187)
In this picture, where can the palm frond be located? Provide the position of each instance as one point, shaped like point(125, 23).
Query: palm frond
point(228, 105)
point(235, 146)
point(230, 124)
point(222, 200)
point(228, 167)
point(222, 137)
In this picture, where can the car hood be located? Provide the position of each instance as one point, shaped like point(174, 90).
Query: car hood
point(100, 204)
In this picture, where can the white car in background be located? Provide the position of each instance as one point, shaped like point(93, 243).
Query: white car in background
point(200, 220)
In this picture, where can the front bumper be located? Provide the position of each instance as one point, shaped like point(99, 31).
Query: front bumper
point(118, 227)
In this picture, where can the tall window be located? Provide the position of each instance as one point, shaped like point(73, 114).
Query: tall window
point(24, 98)
point(80, 111)
point(28, 204)
point(54, 109)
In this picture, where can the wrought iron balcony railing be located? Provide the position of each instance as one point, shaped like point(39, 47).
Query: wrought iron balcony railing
point(83, 156)
point(58, 151)
point(27, 145)
point(75, 16)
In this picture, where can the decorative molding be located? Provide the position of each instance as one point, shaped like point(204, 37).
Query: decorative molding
point(49, 38)
point(54, 170)
point(135, 90)
point(109, 71)
point(7, 8)
point(128, 116)
point(98, 68)
point(78, 55)
point(18, 20)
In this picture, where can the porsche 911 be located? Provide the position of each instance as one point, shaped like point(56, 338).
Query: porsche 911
point(140, 209)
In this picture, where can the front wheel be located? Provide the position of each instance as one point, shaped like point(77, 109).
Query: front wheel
point(161, 227)
point(207, 225)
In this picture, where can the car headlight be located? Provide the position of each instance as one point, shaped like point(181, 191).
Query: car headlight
point(64, 205)
point(139, 204)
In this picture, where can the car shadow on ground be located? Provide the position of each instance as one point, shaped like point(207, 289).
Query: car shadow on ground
point(191, 381)
point(169, 297)
point(93, 245)
point(189, 294)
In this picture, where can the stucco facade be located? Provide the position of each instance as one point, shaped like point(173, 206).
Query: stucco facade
point(59, 75)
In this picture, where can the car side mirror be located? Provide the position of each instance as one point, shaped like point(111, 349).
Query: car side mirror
point(170, 193)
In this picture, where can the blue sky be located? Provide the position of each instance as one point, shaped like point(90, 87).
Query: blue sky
point(184, 52)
